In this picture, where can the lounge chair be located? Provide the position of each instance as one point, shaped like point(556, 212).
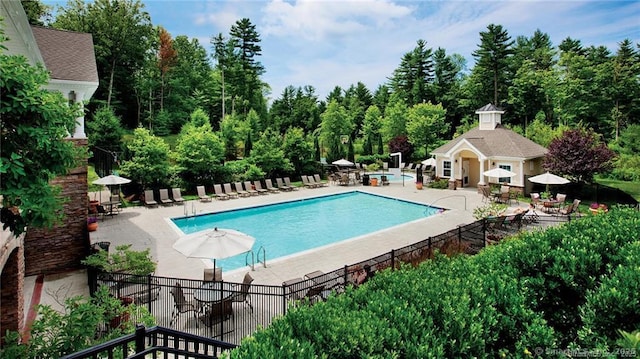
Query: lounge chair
point(182, 305)
point(164, 197)
point(281, 186)
point(149, 201)
point(269, 185)
point(318, 180)
point(218, 193)
point(247, 187)
point(227, 189)
point(306, 183)
point(259, 188)
point(243, 295)
point(177, 195)
point(202, 194)
point(287, 182)
point(241, 192)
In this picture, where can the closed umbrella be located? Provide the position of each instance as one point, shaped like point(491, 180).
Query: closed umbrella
point(499, 172)
point(216, 243)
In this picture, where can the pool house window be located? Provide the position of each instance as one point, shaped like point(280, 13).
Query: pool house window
point(446, 168)
point(504, 179)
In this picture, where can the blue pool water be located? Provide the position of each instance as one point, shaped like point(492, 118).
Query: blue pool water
point(292, 227)
point(392, 178)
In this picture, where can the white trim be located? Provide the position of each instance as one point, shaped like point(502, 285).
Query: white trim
point(455, 149)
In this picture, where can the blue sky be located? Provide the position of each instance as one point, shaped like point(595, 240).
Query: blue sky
point(337, 42)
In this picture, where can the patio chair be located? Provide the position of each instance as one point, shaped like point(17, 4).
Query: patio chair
point(561, 198)
point(211, 276)
point(240, 191)
point(177, 195)
point(182, 305)
point(218, 193)
point(202, 194)
point(269, 185)
point(164, 197)
point(258, 185)
point(535, 200)
point(247, 187)
point(243, 295)
point(318, 180)
point(281, 186)
point(287, 181)
point(486, 194)
point(149, 201)
point(227, 189)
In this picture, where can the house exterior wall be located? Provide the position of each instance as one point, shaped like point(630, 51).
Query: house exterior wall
point(68, 243)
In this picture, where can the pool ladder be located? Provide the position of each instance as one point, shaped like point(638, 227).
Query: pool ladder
point(252, 264)
point(186, 209)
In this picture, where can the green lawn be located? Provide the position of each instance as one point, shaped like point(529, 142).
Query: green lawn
point(631, 188)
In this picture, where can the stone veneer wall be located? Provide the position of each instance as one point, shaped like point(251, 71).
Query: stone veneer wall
point(12, 293)
point(61, 248)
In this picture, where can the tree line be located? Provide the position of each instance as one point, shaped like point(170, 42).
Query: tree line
point(154, 80)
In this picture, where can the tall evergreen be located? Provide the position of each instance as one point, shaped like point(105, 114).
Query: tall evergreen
point(492, 61)
point(412, 79)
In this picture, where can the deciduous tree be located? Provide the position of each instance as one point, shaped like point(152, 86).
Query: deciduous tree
point(32, 146)
point(578, 154)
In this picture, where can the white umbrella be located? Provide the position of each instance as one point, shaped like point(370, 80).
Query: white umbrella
point(548, 178)
point(342, 162)
point(111, 180)
point(216, 243)
point(498, 172)
point(429, 162)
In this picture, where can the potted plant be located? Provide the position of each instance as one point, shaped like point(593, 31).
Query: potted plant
point(596, 208)
point(419, 181)
point(123, 260)
point(92, 224)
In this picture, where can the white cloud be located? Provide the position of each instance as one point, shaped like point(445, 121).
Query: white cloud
point(319, 20)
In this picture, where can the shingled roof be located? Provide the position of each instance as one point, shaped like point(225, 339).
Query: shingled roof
point(499, 142)
point(67, 55)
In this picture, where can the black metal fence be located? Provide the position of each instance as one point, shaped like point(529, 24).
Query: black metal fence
point(158, 342)
point(231, 311)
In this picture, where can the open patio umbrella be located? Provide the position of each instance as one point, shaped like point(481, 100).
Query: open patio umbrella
point(111, 180)
point(548, 179)
point(216, 243)
point(498, 172)
point(342, 162)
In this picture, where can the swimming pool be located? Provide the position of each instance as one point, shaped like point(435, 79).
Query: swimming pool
point(291, 227)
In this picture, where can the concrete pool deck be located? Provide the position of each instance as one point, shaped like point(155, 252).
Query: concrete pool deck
point(151, 228)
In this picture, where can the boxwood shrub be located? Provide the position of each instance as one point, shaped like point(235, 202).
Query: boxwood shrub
point(570, 286)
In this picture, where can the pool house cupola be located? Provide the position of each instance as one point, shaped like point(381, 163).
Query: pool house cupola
point(490, 117)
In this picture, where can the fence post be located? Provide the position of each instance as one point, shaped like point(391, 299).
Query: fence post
point(459, 237)
point(484, 232)
point(149, 293)
point(393, 259)
point(284, 299)
point(140, 334)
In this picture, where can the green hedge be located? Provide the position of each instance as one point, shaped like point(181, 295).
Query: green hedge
point(552, 289)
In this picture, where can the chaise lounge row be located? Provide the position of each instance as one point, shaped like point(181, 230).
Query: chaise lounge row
point(244, 189)
point(149, 199)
